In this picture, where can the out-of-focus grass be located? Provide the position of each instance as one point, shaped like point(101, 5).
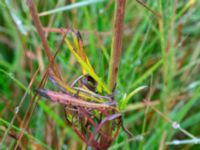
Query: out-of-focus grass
point(161, 54)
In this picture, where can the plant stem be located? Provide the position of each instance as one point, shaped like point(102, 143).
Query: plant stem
point(116, 43)
point(38, 26)
point(115, 53)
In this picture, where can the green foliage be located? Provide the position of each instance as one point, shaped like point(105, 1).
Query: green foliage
point(159, 63)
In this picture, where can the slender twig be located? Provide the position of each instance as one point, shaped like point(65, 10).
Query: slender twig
point(174, 124)
point(39, 28)
point(116, 43)
point(149, 9)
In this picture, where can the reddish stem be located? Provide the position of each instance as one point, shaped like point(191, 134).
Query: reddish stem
point(117, 43)
point(39, 28)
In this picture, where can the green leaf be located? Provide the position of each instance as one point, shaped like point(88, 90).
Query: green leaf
point(123, 103)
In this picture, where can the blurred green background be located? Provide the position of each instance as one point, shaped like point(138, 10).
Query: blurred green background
point(161, 53)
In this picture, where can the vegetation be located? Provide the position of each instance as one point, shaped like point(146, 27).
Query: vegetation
point(156, 84)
